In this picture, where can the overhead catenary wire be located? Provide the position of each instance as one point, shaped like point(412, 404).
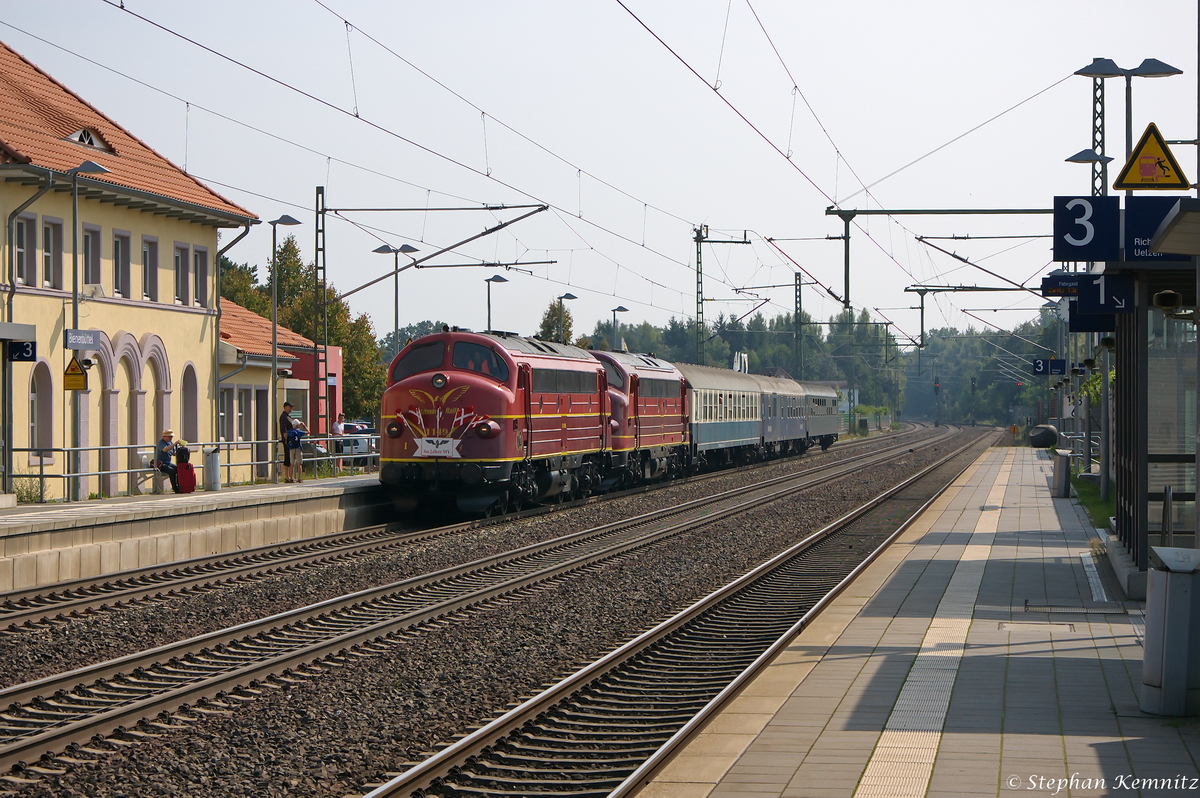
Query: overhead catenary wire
point(378, 126)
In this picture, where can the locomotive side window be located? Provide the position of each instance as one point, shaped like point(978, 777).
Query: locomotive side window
point(659, 389)
point(555, 381)
point(423, 357)
point(480, 359)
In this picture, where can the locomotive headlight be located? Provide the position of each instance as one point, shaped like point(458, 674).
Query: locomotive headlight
point(487, 429)
point(393, 429)
point(439, 380)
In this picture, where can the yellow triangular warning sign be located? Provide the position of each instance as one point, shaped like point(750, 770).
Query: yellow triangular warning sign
point(74, 377)
point(1152, 166)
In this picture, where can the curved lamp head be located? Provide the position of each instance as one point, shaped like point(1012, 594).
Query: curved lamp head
point(496, 278)
point(1153, 68)
point(1101, 68)
point(388, 249)
point(88, 168)
point(620, 309)
point(1088, 156)
point(568, 296)
point(284, 220)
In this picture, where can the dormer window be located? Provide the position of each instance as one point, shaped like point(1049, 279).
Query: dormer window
point(89, 138)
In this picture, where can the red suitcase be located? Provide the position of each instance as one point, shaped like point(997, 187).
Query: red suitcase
point(187, 477)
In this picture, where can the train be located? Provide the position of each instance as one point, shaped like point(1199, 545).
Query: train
point(493, 421)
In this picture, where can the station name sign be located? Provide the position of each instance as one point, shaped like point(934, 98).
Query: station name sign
point(81, 339)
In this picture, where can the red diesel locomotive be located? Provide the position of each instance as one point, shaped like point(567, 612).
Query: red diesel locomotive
point(494, 420)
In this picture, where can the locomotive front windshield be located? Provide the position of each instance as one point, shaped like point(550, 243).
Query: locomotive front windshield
point(480, 359)
point(423, 357)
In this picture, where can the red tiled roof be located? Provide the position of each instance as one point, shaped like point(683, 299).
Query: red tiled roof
point(37, 114)
point(251, 333)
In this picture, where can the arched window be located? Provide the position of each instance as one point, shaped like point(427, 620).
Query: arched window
point(41, 408)
point(189, 409)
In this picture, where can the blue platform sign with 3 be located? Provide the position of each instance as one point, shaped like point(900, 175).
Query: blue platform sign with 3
point(1087, 229)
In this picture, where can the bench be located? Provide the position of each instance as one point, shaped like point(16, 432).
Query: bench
point(159, 480)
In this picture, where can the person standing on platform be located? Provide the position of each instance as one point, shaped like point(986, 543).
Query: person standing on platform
point(339, 430)
point(286, 425)
point(164, 451)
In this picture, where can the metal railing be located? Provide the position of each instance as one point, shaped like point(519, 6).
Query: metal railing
point(239, 463)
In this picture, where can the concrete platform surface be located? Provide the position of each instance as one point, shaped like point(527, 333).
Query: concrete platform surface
point(987, 652)
point(51, 544)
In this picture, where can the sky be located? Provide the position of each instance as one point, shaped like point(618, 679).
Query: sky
point(636, 122)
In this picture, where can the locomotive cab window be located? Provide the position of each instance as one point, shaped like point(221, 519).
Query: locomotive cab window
point(480, 359)
point(615, 379)
point(423, 357)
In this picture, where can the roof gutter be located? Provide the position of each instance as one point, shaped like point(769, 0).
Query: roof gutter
point(8, 368)
point(217, 349)
point(245, 365)
point(12, 254)
point(89, 186)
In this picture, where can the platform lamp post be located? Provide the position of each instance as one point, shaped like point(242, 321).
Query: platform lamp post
point(561, 314)
point(495, 278)
point(615, 311)
point(1102, 68)
point(388, 249)
point(287, 221)
point(76, 464)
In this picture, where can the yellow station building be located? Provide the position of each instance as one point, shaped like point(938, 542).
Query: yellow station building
point(145, 238)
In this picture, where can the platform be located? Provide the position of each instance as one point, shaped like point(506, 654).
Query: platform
point(43, 544)
point(984, 653)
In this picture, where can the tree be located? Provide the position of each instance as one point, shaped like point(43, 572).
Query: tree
point(364, 381)
point(364, 375)
point(557, 323)
point(239, 283)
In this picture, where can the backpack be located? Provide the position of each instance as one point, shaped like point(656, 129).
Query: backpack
point(293, 438)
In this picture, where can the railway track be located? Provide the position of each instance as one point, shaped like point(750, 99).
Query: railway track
point(603, 731)
point(217, 671)
point(33, 608)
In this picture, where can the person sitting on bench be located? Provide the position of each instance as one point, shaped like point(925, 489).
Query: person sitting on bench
point(165, 450)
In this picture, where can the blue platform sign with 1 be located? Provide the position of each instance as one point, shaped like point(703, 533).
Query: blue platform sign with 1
point(1087, 228)
point(1043, 366)
point(1105, 293)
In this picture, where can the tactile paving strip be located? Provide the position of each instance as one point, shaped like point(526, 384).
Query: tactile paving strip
point(902, 764)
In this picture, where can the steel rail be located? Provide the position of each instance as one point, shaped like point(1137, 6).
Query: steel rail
point(164, 679)
point(448, 764)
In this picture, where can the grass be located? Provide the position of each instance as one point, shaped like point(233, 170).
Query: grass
point(1097, 509)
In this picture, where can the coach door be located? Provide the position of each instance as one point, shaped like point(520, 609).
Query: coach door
point(525, 389)
point(635, 408)
point(605, 436)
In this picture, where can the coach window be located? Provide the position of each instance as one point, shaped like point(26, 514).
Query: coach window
point(481, 359)
point(423, 357)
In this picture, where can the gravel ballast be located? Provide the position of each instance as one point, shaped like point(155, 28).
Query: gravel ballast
point(328, 735)
point(80, 642)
